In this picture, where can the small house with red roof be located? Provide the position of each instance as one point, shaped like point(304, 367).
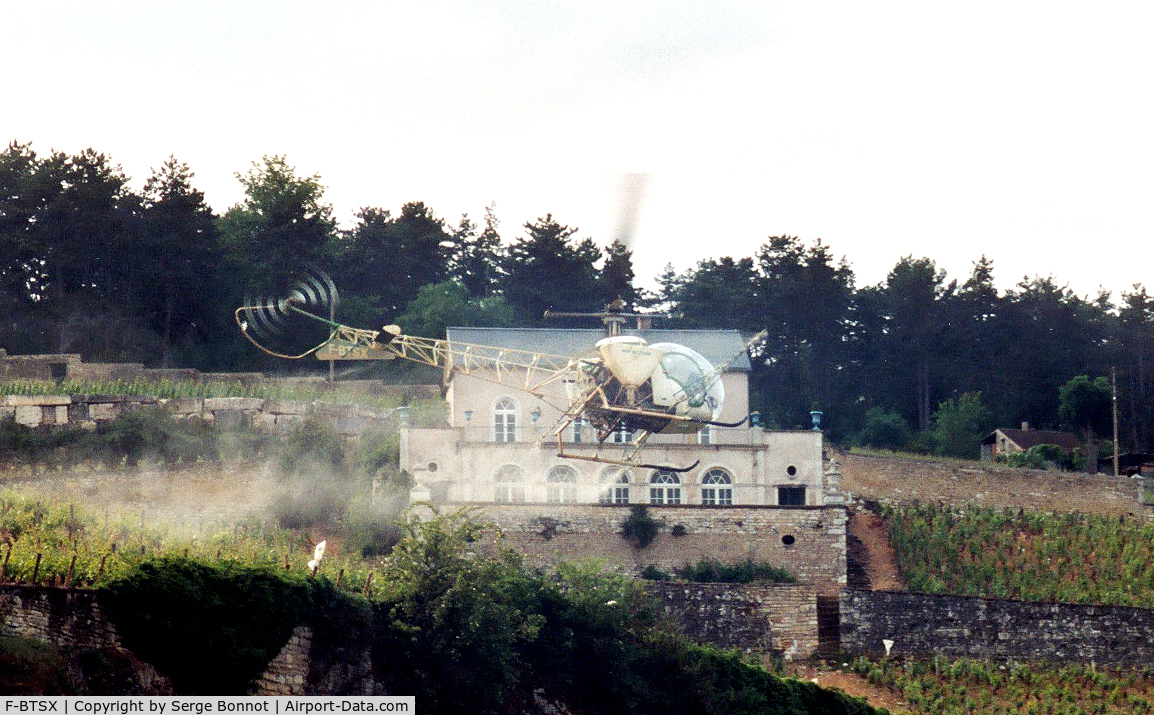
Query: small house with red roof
point(1004, 441)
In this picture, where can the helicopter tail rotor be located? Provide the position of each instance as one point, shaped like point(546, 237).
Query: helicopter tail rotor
point(275, 324)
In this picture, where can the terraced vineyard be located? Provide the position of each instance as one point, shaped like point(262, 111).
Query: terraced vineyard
point(48, 541)
point(961, 687)
point(1074, 558)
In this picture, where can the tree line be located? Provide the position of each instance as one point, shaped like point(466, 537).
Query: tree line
point(89, 265)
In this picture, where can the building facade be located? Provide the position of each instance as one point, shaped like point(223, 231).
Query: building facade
point(499, 446)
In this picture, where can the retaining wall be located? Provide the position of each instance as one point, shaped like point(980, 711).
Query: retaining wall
point(778, 619)
point(963, 626)
point(550, 533)
point(226, 413)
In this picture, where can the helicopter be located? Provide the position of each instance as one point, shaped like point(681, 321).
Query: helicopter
point(622, 384)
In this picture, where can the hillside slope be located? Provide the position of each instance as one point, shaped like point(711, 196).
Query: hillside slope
point(963, 483)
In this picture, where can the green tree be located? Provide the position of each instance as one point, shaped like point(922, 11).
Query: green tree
point(386, 259)
point(1085, 404)
point(616, 276)
point(282, 223)
point(1135, 379)
point(440, 305)
point(909, 330)
point(884, 429)
point(475, 262)
point(803, 300)
point(1056, 336)
point(959, 425)
point(179, 250)
point(716, 293)
point(548, 269)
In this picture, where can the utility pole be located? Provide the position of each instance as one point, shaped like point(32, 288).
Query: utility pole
point(1114, 402)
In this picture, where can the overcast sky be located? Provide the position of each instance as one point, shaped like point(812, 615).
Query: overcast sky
point(1022, 131)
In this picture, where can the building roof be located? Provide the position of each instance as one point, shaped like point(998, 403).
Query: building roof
point(1033, 437)
point(716, 346)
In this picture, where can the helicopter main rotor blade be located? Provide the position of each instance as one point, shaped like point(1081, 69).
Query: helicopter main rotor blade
point(631, 194)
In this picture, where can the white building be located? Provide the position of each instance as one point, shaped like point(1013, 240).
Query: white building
point(493, 450)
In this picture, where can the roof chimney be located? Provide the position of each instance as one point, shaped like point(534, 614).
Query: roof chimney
point(1025, 426)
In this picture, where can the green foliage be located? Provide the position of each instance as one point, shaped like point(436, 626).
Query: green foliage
point(1085, 404)
point(1075, 558)
point(748, 571)
point(960, 687)
point(653, 573)
point(959, 425)
point(549, 269)
point(149, 433)
point(1043, 456)
point(439, 305)
point(640, 529)
point(32, 667)
point(448, 616)
point(211, 628)
point(597, 642)
point(884, 429)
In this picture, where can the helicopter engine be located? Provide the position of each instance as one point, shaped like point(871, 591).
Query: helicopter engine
point(660, 378)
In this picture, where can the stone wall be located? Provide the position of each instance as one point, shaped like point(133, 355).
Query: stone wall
point(962, 626)
point(227, 413)
point(72, 620)
point(66, 618)
point(810, 542)
point(965, 483)
point(778, 619)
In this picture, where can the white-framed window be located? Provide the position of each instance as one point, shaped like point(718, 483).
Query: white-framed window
point(509, 485)
point(705, 435)
point(561, 485)
point(716, 488)
point(505, 420)
point(615, 486)
point(578, 428)
point(664, 488)
point(622, 435)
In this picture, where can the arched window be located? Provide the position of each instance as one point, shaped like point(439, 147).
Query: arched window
point(664, 488)
point(716, 488)
point(509, 485)
point(561, 485)
point(615, 486)
point(505, 421)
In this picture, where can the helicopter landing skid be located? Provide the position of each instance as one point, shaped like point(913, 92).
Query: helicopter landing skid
point(625, 463)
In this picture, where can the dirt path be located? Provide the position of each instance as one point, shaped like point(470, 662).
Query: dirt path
point(855, 686)
point(880, 563)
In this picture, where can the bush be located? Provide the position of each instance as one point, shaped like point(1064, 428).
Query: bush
point(652, 573)
point(32, 667)
point(640, 529)
point(211, 629)
point(748, 571)
point(884, 429)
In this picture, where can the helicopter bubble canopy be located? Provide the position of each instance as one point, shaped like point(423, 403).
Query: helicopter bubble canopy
point(682, 381)
point(685, 381)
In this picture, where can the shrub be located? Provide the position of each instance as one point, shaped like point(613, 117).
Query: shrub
point(748, 571)
point(652, 573)
point(640, 528)
point(884, 429)
point(30, 667)
point(210, 628)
